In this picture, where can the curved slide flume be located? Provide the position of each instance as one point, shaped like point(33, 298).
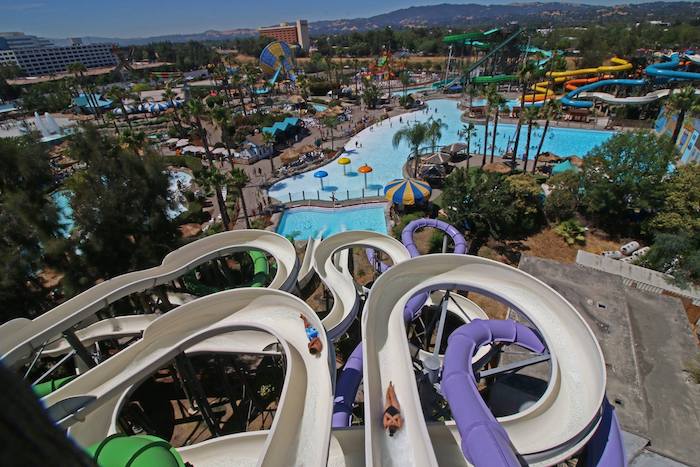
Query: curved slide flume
point(351, 375)
point(553, 429)
point(302, 421)
point(20, 337)
point(484, 441)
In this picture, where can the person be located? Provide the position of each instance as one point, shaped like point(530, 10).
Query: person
point(392, 420)
point(315, 346)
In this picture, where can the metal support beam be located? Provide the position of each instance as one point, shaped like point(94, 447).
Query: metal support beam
point(190, 380)
point(50, 370)
point(515, 366)
point(79, 348)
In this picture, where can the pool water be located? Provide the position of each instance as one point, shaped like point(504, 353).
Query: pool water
point(302, 223)
point(375, 149)
point(65, 211)
point(319, 107)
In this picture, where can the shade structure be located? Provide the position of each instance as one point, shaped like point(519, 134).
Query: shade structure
point(307, 148)
point(497, 167)
point(321, 174)
point(181, 143)
point(289, 155)
point(296, 99)
point(577, 161)
point(172, 141)
point(364, 170)
point(548, 157)
point(407, 191)
point(344, 161)
point(454, 148)
point(437, 158)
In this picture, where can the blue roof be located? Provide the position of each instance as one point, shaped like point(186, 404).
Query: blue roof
point(292, 120)
point(282, 126)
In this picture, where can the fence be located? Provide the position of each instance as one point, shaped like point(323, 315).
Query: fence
point(340, 195)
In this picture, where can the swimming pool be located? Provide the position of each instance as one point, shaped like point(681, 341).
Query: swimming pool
point(375, 149)
point(302, 223)
point(319, 107)
point(178, 181)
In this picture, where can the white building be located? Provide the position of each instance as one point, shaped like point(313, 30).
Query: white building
point(36, 56)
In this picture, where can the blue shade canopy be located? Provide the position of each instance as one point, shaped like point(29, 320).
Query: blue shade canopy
point(320, 174)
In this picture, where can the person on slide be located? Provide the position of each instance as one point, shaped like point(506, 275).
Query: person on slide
point(315, 345)
point(392, 411)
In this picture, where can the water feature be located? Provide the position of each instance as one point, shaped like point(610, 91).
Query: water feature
point(302, 223)
point(373, 146)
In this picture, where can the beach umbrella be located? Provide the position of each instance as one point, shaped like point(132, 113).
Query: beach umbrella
point(497, 167)
point(364, 170)
point(344, 161)
point(407, 191)
point(437, 158)
point(547, 157)
point(321, 174)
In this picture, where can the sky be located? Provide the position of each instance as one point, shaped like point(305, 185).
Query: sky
point(142, 18)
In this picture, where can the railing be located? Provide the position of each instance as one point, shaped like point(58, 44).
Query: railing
point(331, 196)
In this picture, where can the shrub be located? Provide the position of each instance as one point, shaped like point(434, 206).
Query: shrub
point(572, 232)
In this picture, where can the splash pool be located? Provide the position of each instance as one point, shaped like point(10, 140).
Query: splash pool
point(302, 223)
point(375, 149)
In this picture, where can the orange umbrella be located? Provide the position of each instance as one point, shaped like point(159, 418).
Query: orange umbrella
point(364, 170)
point(344, 161)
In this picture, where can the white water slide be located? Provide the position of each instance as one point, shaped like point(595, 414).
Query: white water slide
point(300, 433)
point(648, 98)
point(551, 430)
point(19, 338)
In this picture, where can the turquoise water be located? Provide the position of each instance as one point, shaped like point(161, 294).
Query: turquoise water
point(378, 152)
point(65, 212)
point(319, 107)
point(302, 223)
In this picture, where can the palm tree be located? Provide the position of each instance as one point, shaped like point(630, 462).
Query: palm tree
point(497, 102)
point(331, 123)
point(435, 128)
point(195, 110)
point(111, 118)
point(119, 95)
point(472, 92)
point(237, 84)
point(530, 114)
point(681, 102)
point(416, 136)
point(303, 85)
point(270, 139)
point(468, 132)
point(525, 75)
point(551, 110)
point(78, 70)
point(221, 117)
point(210, 179)
point(239, 179)
point(405, 79)
point(170, 95)
point(134, 140)
point(252, 74)
point(488, 108)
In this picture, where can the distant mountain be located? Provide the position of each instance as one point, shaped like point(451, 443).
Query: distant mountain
point(459, 15)
point(532, 14)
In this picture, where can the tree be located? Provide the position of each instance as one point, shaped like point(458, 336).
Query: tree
point(416, 136)
point(170, 95)
point(551, 110)
point(270, 139)
point(221, 116)
point(497, 102)
point(487, 110)
point(135, 141)
point(525, 75)
point(195, 111)
point(8, 71)
point(405, 79)
point(472, 92)
point(370, 94)
point(120, 207)
point(623, 179)
point(681, 102)
point(78, 70)
point(564, 196)
point(239, 179)
point(435, 128)
point(468, 132)
point(675, 254)
point(331, 123)
point(28, 226)
point(490, 205)
point(680, 211)
point(119, 95)
point(530, 114)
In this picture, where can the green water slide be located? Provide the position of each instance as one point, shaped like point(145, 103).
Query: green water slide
point(469, 36)
point(44, 389)
point(494, 79)
point(261, 272)
point(121, 450)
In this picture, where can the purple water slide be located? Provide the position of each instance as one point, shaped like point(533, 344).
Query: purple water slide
point(606, 448)
point(351, 376)
point(484, 441)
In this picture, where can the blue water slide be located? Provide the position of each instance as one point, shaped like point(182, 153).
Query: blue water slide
point(568, 99)
point(668, 70)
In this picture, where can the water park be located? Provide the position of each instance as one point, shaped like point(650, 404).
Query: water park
point(371, 265)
